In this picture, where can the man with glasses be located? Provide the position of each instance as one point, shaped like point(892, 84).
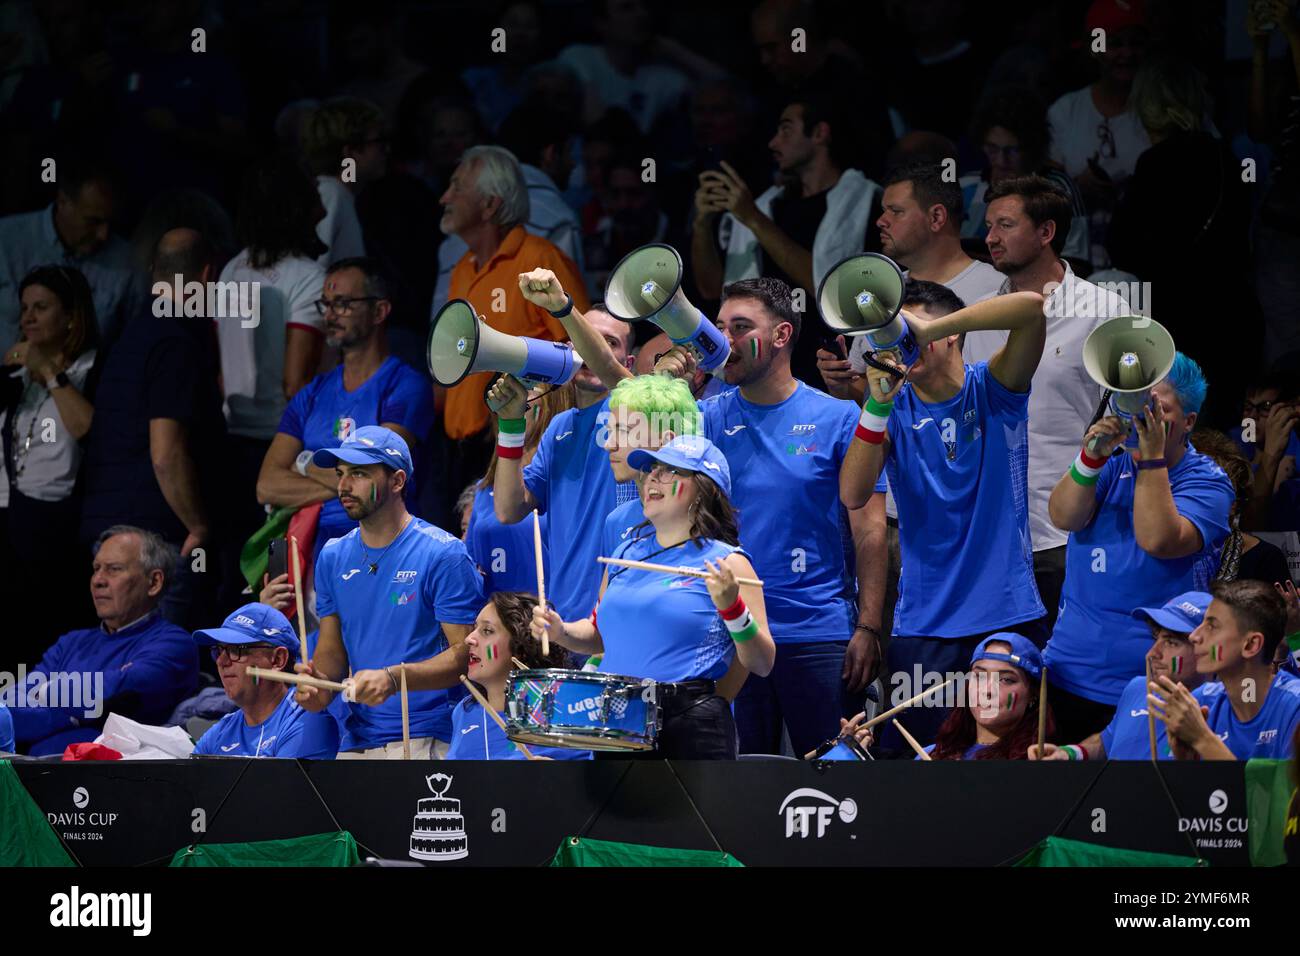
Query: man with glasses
point(1268, 439)
point(269, 722)
point(369, 387)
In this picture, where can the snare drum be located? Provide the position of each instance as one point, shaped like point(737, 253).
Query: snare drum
point(841, 748)
point(581, 709)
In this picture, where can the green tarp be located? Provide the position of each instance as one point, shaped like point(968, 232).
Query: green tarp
point(1056, 851)
point(322, 849)
point(1268, 793)
point(26, 838)
point(583, 852)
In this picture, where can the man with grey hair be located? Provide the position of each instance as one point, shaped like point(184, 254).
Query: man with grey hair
point(134, 663)
point(486, 206)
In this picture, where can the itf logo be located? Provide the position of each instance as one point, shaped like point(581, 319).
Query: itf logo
point(801, 807)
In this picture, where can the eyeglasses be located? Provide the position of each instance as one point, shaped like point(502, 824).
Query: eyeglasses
point(341, 307)
point(1107, 140)
point(236, 651)
point(1263, 408)
point(663, 472)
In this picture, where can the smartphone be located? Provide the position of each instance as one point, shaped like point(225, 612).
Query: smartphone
point(832, 344)
point(277, 557)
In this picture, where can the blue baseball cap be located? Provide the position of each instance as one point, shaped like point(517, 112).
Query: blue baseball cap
point(1182, 614)
point(371, 445)
point(252, 624)
point(692, 452)
point(1023, 652)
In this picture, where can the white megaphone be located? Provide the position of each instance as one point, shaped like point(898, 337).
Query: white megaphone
point(1127, 356)
point(863, 295)
point(461, 343)
point(647, 284)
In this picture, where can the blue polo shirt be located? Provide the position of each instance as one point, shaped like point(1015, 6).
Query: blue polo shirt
point(663, 626)
point(28, 240)
point(959, 474)
point(476, 736)
point(571, 479)
point(785, 471)
point(324, 413)
point(7, 743)
point(1269, 733)
point(1127, 736)
point(505, 553)
point(159, 368)
point(1097, 645)
point(288, 732)
point(147, 668)
point(425, 579)
point(619, 524)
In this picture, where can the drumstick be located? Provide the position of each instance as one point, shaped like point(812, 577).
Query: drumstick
point(297, 596)
point(920, 751)
point(482, 702)
point(541, 578)
point(894, 710)
point(1151, 715)
point(687, 572)
point(519, 664)
point(406, 717)
point(284, 677)
point(1042, 710)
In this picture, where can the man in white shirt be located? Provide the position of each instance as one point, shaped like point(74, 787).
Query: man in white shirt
point(344, 146)
point(920, 229)
point(1028, 222)
point(1096, 136)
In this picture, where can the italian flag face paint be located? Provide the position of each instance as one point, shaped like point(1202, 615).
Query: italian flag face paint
point(491, 652)
point(677, 489)
point(1216, 653)
point(755, 349)
point(1011, 701)
point(1176, 665)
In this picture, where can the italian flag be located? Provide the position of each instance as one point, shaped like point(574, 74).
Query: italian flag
point(491, 652)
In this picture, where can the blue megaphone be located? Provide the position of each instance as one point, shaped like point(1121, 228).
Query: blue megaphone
point(460, 344)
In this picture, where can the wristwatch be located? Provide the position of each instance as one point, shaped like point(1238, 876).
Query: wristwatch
point(60, 380)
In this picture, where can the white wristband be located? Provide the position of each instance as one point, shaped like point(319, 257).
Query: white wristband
point(303, 460)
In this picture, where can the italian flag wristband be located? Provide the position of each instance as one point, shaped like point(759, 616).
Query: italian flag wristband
point(739, 622)
point(1085, 468)
point(1075, 752)
point(510, 437)
point(875, 417)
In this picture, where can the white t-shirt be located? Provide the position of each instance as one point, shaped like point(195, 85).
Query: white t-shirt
point(978, 281)
point(46, 455)
point(1076, 136)
point(252, 358)
point(340, 230)
point(651, 91)
point(1063, 398)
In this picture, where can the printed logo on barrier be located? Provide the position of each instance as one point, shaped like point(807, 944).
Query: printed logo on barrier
point(1215, 825)
point(801, 807)
point(439, 830)
point(81, 825)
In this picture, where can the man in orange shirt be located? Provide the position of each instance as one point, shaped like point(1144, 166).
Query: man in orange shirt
point(486, 205)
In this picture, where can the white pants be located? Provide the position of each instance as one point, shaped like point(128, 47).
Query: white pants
point(422, 748)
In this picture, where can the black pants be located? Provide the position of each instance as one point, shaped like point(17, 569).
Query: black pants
point(243, 516)
point(1076, 717)
point(44, 576)
point(1049, 576)
point(696, 726)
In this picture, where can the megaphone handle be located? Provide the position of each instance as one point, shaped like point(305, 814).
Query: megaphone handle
point(869, 358)
point(1102, 406)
